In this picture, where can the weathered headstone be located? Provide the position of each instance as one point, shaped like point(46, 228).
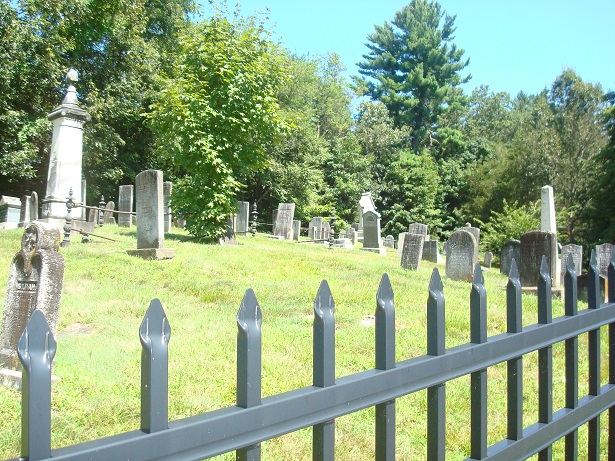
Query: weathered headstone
point(389, 242)
point(576, 253)
point(547, 210)
point(33, 206)
point(10, 212)
point(412, 252)
point(460, 255)
point(93, 216)
point(125, 200)
point(510, 250)
point(315, 228)
point(84, 216)
point(603, 258)
point(535, 245)
point(274, 218)
point(150, 226)
point(167, 190)
point(352, 235)
point(487, 260)
point(108, 217)
point(35, 282)
point(418, 228)
point(228, 238)
point(400, 243)
point(475, 231)
point(284, 221)
point(371, 233)
point(296, 229)
point(342, 242)
point(24, 218)
point(431, 251)
point(243, 219)
point(326, 230)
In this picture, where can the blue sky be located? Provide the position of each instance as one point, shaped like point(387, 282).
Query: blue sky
point(513, 45)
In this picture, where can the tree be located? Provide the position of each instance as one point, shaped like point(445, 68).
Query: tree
point(413, 68)
point(218, 116)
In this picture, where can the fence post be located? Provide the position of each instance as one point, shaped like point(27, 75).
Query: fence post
point(478, 335)
point(611, 291)
point(436, 395)
point(323, 435)
point(572, 357)
point(593, 344)
point(36, 349)
point(514, 366)
point(385, 360)
point(155, 334)
point(249, 360)
point(545, 355)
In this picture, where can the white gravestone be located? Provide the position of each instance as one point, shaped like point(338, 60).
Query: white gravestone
point(547, 210)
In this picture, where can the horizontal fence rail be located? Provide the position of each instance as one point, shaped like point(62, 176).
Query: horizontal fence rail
point(243, 427)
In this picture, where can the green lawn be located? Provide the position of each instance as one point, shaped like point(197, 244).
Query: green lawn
point(106, 293)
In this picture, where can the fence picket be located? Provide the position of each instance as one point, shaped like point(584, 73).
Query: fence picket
point(514, 367)
point(249, 363)
point(385, 360)
point(593, 345)
point(323, 434)
point(545, 355)
point(155, 334)
point(611, 292)
point(572, 358)
point(436, 395)
point(478, 379)
point(36, 349)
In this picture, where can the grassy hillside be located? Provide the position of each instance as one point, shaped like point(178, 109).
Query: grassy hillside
point(106, 293)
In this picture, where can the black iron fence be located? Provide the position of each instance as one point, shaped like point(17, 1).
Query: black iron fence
point(243, 427)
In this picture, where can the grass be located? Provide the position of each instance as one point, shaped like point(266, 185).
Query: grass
point(106, 293)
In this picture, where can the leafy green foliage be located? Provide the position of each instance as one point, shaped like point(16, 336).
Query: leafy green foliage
point(509, 224)
point(216, 116)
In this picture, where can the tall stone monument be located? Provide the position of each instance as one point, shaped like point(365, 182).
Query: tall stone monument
point(35, 281)
point(167, 191)
point(150, 225)
point(547, 210)
point(66, 154)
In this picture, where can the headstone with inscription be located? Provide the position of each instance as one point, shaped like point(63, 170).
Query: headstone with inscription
point(284, 221)
point(487, 260)
point(167, 190)
point(35, 281)
point(460, 255)
point(534, 245)
point(603, 258)
point(412, 252)
point(418, 228)
point(150, 226)
point(372, 240)
point(243, 219)
point(576, 253)
point(431, 251)
point(475, 231)
point(400, 243)
point(125, 200)
point(510, 250)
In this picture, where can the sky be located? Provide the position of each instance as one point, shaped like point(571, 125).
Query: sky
point(513, 45)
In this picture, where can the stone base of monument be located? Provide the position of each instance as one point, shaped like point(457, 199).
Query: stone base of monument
point(157, 254)
point(344, 243)
point(381, 251)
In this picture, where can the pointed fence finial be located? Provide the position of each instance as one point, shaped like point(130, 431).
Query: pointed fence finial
point(385, 325)
point(324, 337)
point(514, 271)
point(249, 355)
point(436, 344)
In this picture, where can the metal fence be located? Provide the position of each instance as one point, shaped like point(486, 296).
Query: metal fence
point(241, 428)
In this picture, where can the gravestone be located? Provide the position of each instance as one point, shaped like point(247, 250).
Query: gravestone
point(284, 221)
point(108, 217)
point(389, 242)
point(475, 231)
point(315, 228)
point(228, 238)
point(365, 204)
point(326, 230)
point(167, 190)
point(400, 243)
point(576, 253)
point(412, 252)
point(460, 255)
point(343, 243)
point(243, 219)
point(371, 233)
point(24, 218)
point(150, 226)
point(510, 250)
point(296, 229)
point(418, 228)
point(431, 251)
point(352, 235)
point(603, 258)
point(35, 282)
point(125, 200)
point(547, 210)
point(10, 212)
point(535, 245)
point(487, 260)
point(83, 202)
point(93, 216)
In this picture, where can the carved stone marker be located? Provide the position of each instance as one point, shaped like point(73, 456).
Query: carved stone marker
point(487, 260)
point(315, 228)
point(418, 228)
point(576, 253)
point(284, 221)
point(150, 227)
point(400, 243)
point(389, 241)
point(296, 229)
point(108, 217)
point(603, 258)
point(365, 204)
point(460, 255)
point(510, 250)
point(371, 233)
point(167, 190)
point(243, 219)
point(125, 205)
point(412, 252)
point(431, 251)
point(475, 231)
point(535, 245)
point(547, 210)
point(35, 282)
